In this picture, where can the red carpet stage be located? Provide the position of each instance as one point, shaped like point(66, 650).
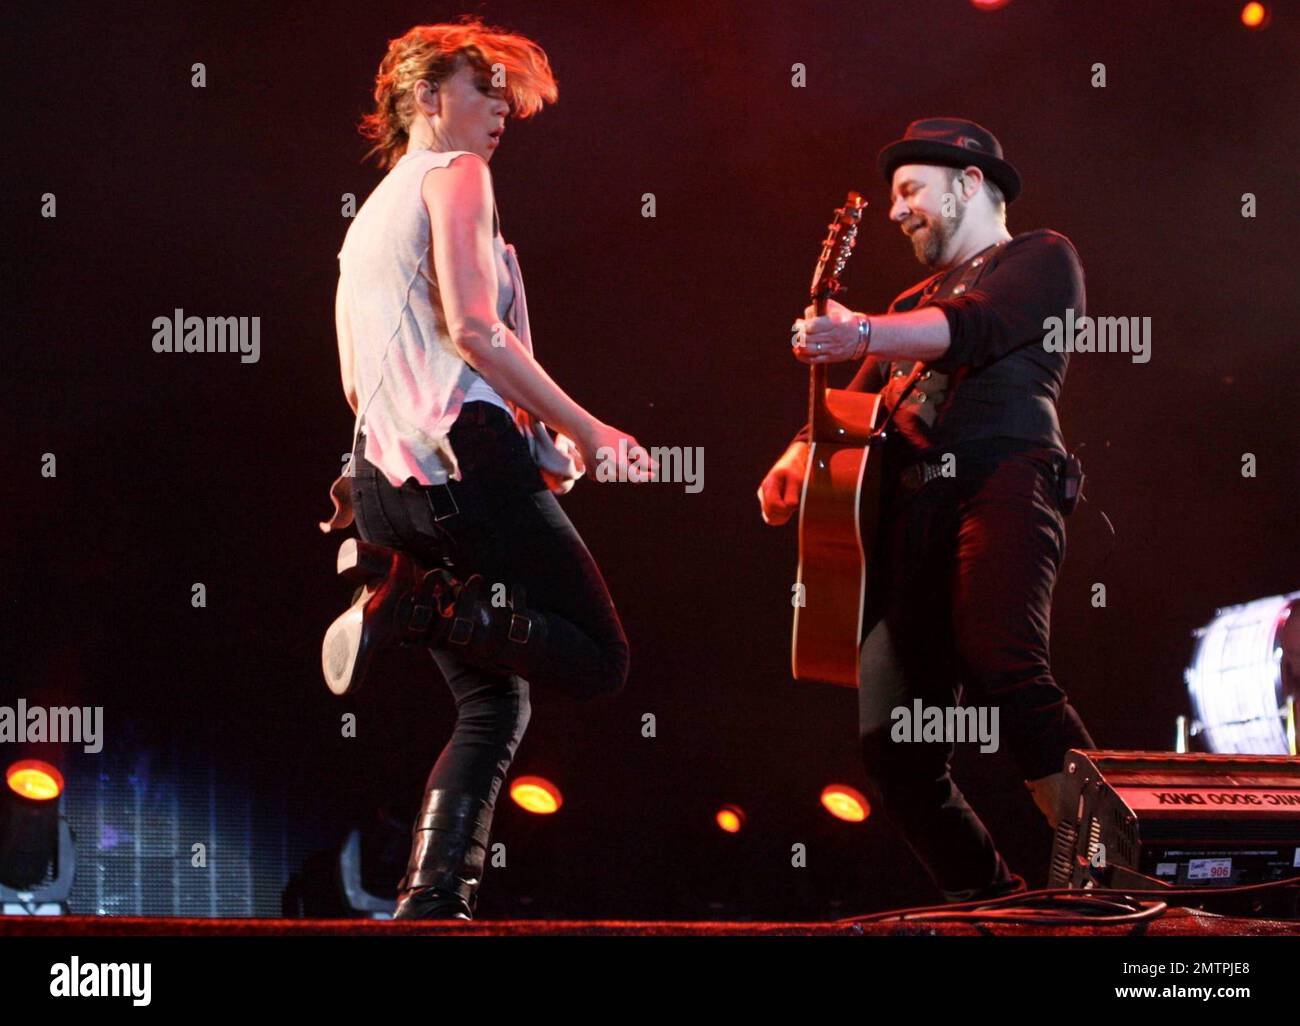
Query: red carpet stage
point(1175, 923)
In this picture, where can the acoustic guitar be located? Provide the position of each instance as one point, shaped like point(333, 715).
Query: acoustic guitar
point(843, 478)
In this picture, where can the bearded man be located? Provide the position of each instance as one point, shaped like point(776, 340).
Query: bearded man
point(972, 533)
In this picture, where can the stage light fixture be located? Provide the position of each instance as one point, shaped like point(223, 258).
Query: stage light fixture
point(730, 819)
point(1255, 16)
point(1242, 680)
point(537, 795)
point(846, 803)
point(37, 856)
point(359, 897)
point(34, 779)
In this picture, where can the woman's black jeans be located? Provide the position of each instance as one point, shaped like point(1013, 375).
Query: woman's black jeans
point(500, 521)
point(960, 600)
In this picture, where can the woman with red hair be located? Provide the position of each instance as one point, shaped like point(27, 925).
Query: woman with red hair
point(463, 547)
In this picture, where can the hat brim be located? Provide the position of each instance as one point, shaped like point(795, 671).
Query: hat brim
point(925, 151)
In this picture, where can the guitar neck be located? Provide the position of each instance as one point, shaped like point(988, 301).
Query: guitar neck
point(819, 420)
point(842, 232)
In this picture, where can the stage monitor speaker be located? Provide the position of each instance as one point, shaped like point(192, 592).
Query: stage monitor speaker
point(1160, 819)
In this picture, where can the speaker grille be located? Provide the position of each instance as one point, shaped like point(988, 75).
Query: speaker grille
point(1063, 844)
point(138, 813)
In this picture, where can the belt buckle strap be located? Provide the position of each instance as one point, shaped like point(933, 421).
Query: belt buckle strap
point(917, 475)
point(441, 501)
point(462, 629)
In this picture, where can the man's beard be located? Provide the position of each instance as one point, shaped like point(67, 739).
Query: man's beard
point(938, 231)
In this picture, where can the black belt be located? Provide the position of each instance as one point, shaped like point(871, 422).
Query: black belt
point(478, 411)
point(915, 476)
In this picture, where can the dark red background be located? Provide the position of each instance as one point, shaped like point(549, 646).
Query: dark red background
point(226, 201)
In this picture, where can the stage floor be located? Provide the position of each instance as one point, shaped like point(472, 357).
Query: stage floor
point(1175, 923)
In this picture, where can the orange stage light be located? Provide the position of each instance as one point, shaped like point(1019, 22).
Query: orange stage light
point(1254, 15)
point(536, 794)
point(731, 818)
point(846, 803)
point(34, 779)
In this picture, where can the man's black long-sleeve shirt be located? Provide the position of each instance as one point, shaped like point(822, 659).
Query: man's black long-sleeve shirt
point(996, 381)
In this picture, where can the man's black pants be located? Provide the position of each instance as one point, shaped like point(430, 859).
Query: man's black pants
point(960, 601)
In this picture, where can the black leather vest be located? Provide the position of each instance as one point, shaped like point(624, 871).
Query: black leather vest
point(1005, 399)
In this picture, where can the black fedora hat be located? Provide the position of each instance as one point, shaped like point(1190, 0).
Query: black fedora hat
point(952, 142)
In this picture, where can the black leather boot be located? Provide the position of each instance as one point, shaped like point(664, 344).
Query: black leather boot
point(509, 637)
point(448, 854)
point(397, 602)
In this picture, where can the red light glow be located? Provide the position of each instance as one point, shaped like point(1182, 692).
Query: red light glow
point(846, 803)
point(34, 779)
point(730, 818)
point(1254, 15)
point(537, 795)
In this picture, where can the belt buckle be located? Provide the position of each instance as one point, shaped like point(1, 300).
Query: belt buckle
point(520, 634)
point(462, 629)
point(455, 509)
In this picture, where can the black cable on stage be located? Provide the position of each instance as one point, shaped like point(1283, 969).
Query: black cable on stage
point(1072, 901)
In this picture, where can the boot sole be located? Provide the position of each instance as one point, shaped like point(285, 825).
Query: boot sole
point(381, 574)
point(342, 647)
point(441, 912)
point(366, 565)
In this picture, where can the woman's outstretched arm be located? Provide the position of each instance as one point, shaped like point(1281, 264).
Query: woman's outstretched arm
point(459, 201)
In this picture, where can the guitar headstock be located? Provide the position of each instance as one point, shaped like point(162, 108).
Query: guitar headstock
point(841, 235)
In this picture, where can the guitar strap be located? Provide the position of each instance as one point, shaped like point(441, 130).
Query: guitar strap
point(922, 296)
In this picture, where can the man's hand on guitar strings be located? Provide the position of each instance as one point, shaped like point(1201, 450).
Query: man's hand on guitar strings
point(778, 495)
point(829, 339)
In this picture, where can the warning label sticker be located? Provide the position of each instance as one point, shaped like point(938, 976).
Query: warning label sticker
point(1246, 800)
point(1209, 869)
